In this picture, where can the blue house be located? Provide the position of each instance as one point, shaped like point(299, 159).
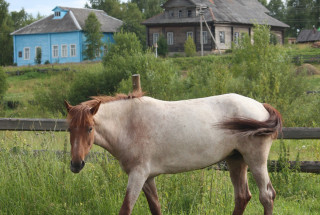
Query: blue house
point(60, 36)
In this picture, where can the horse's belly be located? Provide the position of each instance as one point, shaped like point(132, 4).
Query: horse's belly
point(181, 157)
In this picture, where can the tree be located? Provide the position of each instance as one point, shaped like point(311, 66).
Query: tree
point(111, 7)
point(149, 8)
point(38, 56)
point(6, 43)
point(299, 16)
point(162, 46)
point(132, 19)
point(93, 36)
point(3, 83)
point(276, 8)
point(189, 47)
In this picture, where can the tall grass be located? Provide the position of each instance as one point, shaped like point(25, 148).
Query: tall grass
point(40, 182)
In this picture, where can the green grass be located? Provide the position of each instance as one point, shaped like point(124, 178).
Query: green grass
point(42, 183)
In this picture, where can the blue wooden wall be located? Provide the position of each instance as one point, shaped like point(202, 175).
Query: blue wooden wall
point(47, 41)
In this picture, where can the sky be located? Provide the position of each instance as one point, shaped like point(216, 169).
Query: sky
point(44, 7)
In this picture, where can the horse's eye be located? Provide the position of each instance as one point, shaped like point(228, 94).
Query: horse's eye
point(90, 130)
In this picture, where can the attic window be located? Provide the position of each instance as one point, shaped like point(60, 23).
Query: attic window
point(57, 13)
point(180, 14)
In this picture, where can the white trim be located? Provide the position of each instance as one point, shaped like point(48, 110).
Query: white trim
point(64, 45)
point(53, 51)
point(75, 20)
point(75, 50)
point(170, 38)
point(24, 53)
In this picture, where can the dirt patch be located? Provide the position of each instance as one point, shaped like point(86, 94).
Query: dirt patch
point(308, 69)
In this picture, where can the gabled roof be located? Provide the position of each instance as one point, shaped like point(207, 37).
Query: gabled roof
point(74, 20)
point(223, 11)
point(308, 35)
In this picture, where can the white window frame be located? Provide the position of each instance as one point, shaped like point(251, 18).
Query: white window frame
point(97, 53)
point(57, 13)
point(222, 37)
point(64, 50)
point(71, 50)
point(26, 56)
point(180, 14)
point(53, 51)
point(170, 38)
point(190, 33)
point(205, 37)
point(155, 38)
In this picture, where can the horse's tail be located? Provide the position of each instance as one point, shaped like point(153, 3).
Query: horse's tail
point(250, 127)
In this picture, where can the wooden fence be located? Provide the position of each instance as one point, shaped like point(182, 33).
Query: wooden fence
point(60, 125)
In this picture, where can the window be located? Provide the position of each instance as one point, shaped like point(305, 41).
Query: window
point(222, 36)
point(57, 13)
point(55, 51)
point(64, 51)
point(171, 13)
point(155, 37)
point(180, 14)
point(26, 53)
point(236, 37)
point(189, 34)
point(72, 50)
point(205, 37)
point(170, 38)
point(189, 13)
point(20, 54)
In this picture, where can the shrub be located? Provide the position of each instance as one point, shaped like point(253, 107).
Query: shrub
point(264, 71)
point(162, 46)
point(3, 82)
point(189, 47)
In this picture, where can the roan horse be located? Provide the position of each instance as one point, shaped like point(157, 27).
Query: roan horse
point(151, 137)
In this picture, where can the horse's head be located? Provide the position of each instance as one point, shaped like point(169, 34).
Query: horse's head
point(81, 128)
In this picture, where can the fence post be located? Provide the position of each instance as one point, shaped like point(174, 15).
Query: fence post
point(136, 82)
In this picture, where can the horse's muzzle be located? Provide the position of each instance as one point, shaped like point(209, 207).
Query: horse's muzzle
point(76, 167)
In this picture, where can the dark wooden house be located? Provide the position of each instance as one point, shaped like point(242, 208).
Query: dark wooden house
point(228, 20)
point(308, 36)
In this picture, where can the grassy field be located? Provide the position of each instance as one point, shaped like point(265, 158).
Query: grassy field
point(35, 179)
point(40, 182)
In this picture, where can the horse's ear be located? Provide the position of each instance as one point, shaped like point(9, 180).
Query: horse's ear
point(95, 108)
point(68, 106)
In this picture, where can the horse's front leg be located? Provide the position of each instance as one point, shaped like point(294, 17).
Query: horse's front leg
point(150, 190)
point(136, 181)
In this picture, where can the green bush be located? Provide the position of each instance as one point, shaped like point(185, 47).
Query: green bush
point(162, 46)
point(189, 47)
point(3, 82)
point(264, 71)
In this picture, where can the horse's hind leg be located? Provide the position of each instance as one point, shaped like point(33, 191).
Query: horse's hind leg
point(238, 173)
point(256, 156)
point(150, 190)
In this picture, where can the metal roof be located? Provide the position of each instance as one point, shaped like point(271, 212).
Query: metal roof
point(74, 20)
point(222, 11)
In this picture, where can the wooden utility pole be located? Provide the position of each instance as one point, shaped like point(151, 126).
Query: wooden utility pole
point(201, 34)
point(136, 82)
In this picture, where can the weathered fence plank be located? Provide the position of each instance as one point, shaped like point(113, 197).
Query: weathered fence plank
point(25, 124)
point(19, 124)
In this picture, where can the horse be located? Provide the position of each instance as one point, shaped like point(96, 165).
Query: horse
point(150, 137)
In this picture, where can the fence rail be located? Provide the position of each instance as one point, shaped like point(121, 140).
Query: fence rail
point(26, 124)
point(57, 125)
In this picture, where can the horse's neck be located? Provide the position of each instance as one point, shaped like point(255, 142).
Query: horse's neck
point(109, 122)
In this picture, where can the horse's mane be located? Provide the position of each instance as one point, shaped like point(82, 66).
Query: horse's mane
point(80, 115)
